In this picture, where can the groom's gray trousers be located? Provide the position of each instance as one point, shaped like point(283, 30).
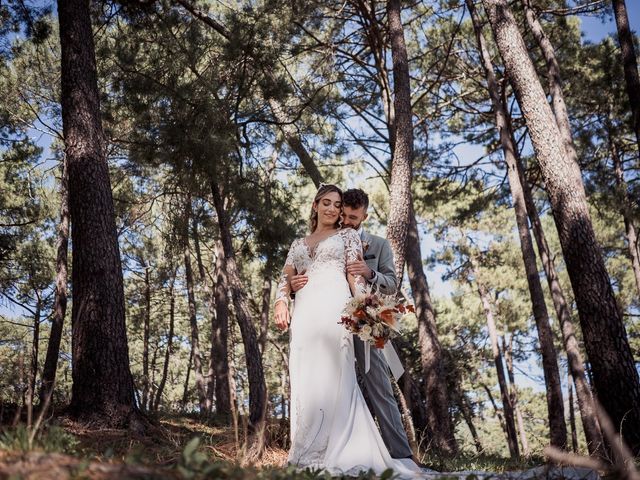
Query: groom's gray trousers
point(380, 392)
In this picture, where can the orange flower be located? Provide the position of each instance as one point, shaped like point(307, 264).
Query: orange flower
point(411, 308)
point(387, 316)
point(380, 341)
point(360, 313)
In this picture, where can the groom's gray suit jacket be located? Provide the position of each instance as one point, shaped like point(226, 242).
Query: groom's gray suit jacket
point(379, 258)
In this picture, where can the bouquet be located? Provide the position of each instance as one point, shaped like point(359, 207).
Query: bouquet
point(374, 317)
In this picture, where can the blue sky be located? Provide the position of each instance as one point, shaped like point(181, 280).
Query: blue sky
point(595, 29)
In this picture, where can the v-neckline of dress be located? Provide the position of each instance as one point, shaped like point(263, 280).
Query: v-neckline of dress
point(312, 251)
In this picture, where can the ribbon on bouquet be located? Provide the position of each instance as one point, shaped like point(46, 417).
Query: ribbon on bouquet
point(390, 356)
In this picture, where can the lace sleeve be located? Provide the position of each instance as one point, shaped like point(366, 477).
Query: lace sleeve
point(353, 251)
point(284, 288)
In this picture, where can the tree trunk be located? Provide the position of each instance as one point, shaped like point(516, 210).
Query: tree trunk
point(402, 230)
point(625, 209)
point(507, 407)
point(60, 302)
point(467, 414)
point(405, 414)
point(558, 104)
point(496, 410)
point(438, 418)
point(574, 357)
point(33, 370)
point(401, 166)
point(630, 63)
point(264, 314)
point(257, 387)
point(211, 372)
point(103, 387)
point(185, 392)
point(411, 392)
point(152, 380)
point(169, 349)
point(572, 415)
point(196, 246)
point(555, 404)
point(603, 330)
point(193, 319)
point(513, 395)
point(145, 339)
point(220, 335)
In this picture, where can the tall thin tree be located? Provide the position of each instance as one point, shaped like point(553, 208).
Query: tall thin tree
point(60, 301)
point(401, 224)
point(555, 405)
point(630, 63)
point(103, 387)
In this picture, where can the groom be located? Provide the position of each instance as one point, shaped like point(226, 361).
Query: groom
point(376, 266)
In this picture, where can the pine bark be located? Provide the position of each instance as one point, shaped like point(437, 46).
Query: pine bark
point(574, 356)
point(264, 314)
point(145, 340)
point(33, 364)
point(513, 395)
point(60, 302)
point(220, 335)
point(467, 414)
point(507, 407)
point(402, 229)
point(435, 384)
point(496, 409)
point(103, 388)
point(603, 330)
point(625, 209)
point(412, 395)
point(185, 392)
point(193, 319)
point(572, 414)
point(169, 348)
point(555, 404)
point(402, 161)
point(257, 386)
point(558, 104)
point(629, 62)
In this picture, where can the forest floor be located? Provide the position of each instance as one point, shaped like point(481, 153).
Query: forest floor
point(183, 447)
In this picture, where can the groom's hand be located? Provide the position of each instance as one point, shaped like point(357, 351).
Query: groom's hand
point(281, 313)
point(298, 281)
point(359, 267)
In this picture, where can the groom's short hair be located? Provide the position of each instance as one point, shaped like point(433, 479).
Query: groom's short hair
point(355, 198)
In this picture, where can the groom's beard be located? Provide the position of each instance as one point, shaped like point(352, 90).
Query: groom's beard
point(355, 227)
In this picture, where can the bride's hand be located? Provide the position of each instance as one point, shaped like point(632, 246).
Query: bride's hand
point(298, 281)
point(282, 315)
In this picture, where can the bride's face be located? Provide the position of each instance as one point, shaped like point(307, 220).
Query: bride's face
point(329, 209)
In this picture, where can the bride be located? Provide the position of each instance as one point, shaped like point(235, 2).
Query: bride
point(331, 426)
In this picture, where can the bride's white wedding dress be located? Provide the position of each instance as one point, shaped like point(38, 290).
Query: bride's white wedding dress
point(331, 426)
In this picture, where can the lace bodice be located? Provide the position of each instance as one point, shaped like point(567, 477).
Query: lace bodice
point(332, 252)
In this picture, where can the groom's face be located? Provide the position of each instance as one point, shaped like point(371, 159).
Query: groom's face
point(353, 217)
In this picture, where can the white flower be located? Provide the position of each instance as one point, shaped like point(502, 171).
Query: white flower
point(378, 330)
point(365, 333)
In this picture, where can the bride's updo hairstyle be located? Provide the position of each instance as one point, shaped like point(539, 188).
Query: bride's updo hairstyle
point(324, 189)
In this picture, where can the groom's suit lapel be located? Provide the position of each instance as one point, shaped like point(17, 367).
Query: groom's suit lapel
point(370, 253)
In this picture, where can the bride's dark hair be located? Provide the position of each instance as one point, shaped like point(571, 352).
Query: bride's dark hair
point(322, 191)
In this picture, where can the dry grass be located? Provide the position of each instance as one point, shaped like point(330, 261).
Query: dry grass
point(111, 453)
